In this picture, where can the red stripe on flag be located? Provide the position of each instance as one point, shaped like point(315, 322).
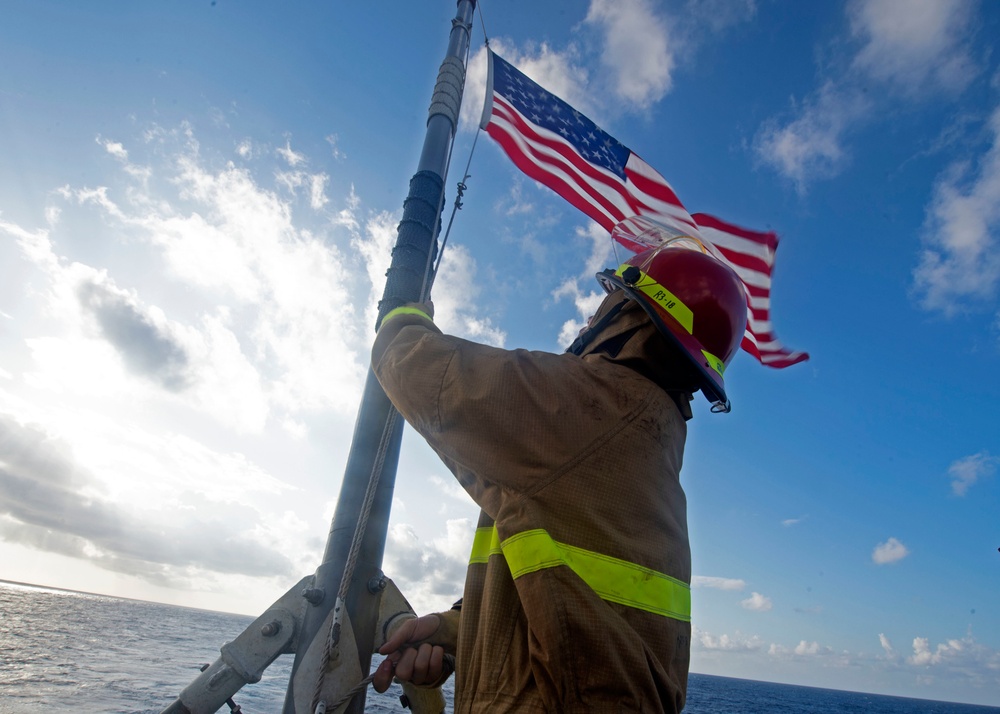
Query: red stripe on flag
point(587, 178)
point(661, 189)
point(537, 171)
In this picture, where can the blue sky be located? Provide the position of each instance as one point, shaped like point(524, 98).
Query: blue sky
point(197, 202)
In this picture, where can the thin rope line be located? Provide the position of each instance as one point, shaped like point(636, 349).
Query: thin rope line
point(482, 21)
point(333, 635)
point(358, 688)
point(458, 205)
point(461, 185)
point(392, 419)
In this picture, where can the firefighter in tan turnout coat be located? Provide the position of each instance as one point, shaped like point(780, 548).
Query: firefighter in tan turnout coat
point(577, 597)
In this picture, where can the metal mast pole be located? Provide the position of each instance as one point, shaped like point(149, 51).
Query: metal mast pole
point(406, 281)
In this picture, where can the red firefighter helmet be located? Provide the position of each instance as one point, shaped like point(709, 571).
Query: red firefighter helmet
point(695, 300)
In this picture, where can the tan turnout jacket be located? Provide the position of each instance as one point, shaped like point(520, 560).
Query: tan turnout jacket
point(576, 462)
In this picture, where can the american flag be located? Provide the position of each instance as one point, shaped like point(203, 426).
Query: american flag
point(556, 145)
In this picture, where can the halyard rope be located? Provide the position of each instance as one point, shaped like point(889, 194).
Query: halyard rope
point(333, 635)
point(392, 419)
point(360, 687)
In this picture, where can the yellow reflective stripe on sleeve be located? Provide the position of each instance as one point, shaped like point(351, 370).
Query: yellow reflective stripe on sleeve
point(714, 362)
point(662, 297)
point(485, 544)
point(404, 311)
point(612, 579)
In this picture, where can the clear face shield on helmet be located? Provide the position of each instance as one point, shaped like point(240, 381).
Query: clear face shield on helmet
point(693, 297)
point(639, 234)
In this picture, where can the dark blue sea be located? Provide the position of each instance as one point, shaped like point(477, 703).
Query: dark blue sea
point(76, 652)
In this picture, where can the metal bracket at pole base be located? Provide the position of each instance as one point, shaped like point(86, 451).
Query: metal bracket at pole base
point(340, 672)
point(334, 672)
point(244, 660)
point(337, 671)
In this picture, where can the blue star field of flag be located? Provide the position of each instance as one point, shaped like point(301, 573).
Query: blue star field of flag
point(550, 112)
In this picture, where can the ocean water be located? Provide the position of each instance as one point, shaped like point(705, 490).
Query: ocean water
point(67, 651)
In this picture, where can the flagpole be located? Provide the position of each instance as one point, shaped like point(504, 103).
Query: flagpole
point(407, 280)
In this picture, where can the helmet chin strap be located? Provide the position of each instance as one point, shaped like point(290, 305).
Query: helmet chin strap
point(591, 331)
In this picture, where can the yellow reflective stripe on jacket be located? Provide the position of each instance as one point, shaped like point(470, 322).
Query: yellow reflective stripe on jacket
point(612, 579)
point(485, 544)
point(405, 310)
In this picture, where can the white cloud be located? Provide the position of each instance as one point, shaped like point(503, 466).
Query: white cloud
point(293, 280)
point(114, 148)
point(374, 247)
point(457, 541)
point(639, 49)
point(52, 215)
point(431, 574)
point(757, 603)
point(333, 140)
point(583, 289)
point(234, 308)
point(246, 150)
point(887, 647)
point(451, 488)
point(457, 299)
point(148, 344)
point(229, 385)
point(294, 286)
point(960, 264)
point(736, 643)
point(914, 45)
point(194, 247)
point(966, 472)
point(118, 151)
point(317, 191)
point(642, 47)
point(919, 47)
point(290, 180)
point(153, 512)
point(293, 158)
point(314, 183)
point(803, 649)
point(108, 331)
point(95, 196)
point(514, 203)
point(964, 659)
point(705, 581)
point(810, 146)
point(891, 551)
point(922, 654)
point(809, 648)
point(347, 216)
point(586, 303)
point(789, 522)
